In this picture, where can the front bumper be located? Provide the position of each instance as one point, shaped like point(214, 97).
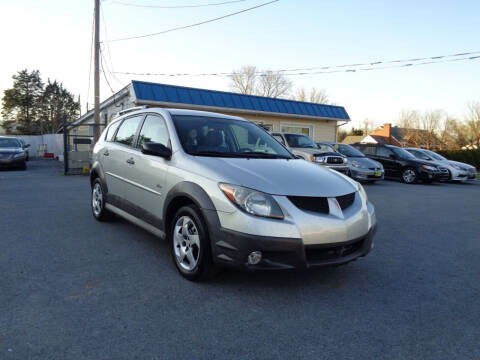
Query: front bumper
point(286, 253)
point(427, 175)
point(9, 162)
point(362, 174)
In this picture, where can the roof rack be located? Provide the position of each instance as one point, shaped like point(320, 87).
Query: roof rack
point(135, 108)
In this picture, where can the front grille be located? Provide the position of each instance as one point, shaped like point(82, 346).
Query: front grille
point(318, 253)
point(444, 170)
point(334, 160)
point(315, 204)
point(346, 200)
point(320, 204)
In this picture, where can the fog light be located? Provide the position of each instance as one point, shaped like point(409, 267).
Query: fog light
point(255, 257)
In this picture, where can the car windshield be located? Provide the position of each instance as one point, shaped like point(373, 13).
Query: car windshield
point(348, 150)
point(221, 137)
point(434, 155)
point(326, 148)
point(9, 143)
point(402, 154)
point(300, 141)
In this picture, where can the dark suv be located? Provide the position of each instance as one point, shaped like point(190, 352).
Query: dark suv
point(399, 163)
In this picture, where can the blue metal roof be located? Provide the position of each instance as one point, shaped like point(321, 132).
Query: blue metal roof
point(147, 91)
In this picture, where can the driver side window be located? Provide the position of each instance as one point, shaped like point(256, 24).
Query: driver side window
point(154, 130)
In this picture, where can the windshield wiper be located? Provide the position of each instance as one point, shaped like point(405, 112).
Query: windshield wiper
point(256, 155)
point(215, 154)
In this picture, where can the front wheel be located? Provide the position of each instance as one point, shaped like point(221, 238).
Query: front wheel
point(409, 176)
point(190, 244)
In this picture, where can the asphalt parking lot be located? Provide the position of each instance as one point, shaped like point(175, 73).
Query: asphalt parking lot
point(73, 288)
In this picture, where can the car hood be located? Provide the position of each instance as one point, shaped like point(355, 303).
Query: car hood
point(10, 150)
point(276, 176)
point(364, 161)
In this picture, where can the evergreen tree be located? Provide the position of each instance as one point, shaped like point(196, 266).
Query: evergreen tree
point(20, 103)
point(54, 102)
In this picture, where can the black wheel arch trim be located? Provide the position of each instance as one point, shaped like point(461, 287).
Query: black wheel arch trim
point(202, 200)
point(98, 170)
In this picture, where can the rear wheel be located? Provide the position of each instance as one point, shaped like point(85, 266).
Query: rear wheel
point(98, 202)
point(23, 166)
point(191, 251)
point(409, 175)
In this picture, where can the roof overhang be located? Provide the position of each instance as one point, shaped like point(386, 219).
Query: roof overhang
point(232, 110)
point(120, 95)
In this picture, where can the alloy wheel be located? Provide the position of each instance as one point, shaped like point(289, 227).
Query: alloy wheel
point(97, 199)
point(409, 176)
point(186, 243)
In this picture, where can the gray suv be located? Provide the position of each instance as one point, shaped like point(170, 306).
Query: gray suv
point(224, 192)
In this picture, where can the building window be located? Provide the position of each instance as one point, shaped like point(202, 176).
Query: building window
point(297, 129)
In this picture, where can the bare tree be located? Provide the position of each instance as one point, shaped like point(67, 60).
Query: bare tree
point(410, 121)
point(248, 80)
point(367, 126)
point(244, 80)
point(472, 121)
point(274, 84)
point(315, 95)
point(430, 124)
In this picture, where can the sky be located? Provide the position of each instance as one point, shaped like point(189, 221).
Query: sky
point(54, 37)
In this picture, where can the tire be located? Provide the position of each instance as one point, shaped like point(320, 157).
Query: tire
point(190, 244)
point(23, 166)
point(409, 175)
point(98, 202)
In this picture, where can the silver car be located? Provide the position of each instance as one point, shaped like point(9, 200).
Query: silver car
point(361, 168)
point(457, 171)
point(224, 192)
point(305, 148)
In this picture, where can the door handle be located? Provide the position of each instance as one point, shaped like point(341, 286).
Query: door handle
point(131, 161)
point(106, 153)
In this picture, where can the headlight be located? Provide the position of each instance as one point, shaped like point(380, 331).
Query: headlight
point(455, 166)
point(362, 192)
point(319, 159)
point(345, 160)
point(18, 155)
point(357, 164)
point(252, 201)
point(428, 167)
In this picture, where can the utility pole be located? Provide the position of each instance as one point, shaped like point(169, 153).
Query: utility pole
point(96, 78)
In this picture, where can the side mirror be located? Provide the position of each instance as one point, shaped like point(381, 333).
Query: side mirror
point(156, 149)
point(392, 156)
point(26, 146)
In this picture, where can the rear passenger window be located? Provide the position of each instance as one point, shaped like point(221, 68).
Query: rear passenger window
point(128, 129)
point(383, 152)
point(368, 150)
point(153, 130)
point(111, 131)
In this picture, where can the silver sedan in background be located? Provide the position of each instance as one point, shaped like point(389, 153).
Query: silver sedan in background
point(458, 171)
point(361, 168)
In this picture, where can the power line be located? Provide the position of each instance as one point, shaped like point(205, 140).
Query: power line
point(173, 6)
point(109, 52)
point(102, 58)
point(196, 24)
point(351, 68)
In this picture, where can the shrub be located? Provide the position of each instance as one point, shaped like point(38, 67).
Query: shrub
point(471, 157)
